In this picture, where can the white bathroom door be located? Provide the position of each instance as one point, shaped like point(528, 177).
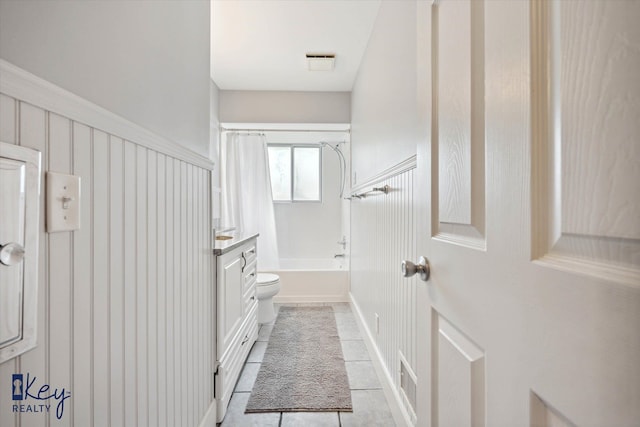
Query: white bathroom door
point(529, 208)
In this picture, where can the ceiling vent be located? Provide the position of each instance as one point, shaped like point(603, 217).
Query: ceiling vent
point(321, 61)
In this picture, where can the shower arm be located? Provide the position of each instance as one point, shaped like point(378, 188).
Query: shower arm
point(343, 163)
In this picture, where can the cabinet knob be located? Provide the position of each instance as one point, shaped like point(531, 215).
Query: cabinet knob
point(11, 253)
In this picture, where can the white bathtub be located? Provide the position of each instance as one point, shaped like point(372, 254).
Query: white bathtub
point(312, 280)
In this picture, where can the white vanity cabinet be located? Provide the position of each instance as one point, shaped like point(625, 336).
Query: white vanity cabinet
point(237, 308)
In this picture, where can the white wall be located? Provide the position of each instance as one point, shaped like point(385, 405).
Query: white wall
point(312, 230)
point(383, 234)
point(147, 61)
point(383, 114)
point(386, 124)
point(214, 122)
point(284, 107)
point(124, 304)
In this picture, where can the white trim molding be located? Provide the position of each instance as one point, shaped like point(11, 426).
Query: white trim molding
point(209, 419)
point(397, 169)
point(285, 127)
point(400, 414)
point(21, 84)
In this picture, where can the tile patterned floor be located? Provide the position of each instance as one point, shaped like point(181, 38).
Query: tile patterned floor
point(370, 408)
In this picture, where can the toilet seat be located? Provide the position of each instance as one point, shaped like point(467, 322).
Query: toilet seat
point(266, 279)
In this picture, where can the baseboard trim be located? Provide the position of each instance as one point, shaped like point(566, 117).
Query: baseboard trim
point(209, 419)
point(293, 299)
point(26, 87)
point(400, 415)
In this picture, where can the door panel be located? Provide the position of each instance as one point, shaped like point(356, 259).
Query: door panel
point(598, 106)
point(458, 206)
point(531, 314)
point(459, 398)
point(586, 100)
point(543, 415)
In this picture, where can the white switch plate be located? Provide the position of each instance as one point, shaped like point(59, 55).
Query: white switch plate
point(63, 202)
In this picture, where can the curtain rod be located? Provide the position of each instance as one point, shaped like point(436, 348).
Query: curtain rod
point(223, 129)
point(247, 132)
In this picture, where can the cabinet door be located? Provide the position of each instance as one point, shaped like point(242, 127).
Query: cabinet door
point(19, 198)
point(12, 210)
point(230, 309)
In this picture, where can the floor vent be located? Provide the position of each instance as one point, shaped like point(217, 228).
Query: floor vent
point(408, 387)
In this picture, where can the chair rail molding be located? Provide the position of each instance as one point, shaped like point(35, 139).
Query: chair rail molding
point(397, 169)
point(20, 84)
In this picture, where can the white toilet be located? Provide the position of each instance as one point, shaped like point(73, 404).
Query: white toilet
point(267, 286)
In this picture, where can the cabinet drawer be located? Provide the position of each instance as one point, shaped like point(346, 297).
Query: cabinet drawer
point(250, 253)
point(249, 299)
point(250, 276)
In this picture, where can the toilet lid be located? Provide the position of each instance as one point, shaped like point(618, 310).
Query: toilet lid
point(267, 279)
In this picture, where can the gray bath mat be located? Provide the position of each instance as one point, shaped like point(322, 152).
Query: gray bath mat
point(303, 366)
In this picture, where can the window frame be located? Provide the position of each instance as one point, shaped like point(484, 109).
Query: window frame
point(292, 148)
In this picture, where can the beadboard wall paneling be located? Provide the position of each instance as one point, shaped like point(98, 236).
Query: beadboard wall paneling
point(383, 234)
point(125, 304)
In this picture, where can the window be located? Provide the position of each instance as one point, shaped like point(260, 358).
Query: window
point(295, 173)
point(280, 170)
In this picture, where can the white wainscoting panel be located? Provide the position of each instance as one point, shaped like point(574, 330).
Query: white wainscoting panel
point(383, 234)
point(125, 304)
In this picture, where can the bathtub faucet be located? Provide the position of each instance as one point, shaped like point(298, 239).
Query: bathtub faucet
point(338, 256)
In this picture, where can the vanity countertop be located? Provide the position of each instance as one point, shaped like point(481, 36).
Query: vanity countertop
point(223, 246)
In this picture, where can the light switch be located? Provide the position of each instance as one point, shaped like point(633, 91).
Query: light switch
point(63, 202)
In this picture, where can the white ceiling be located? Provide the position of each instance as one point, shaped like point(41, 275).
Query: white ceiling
point(261, 44)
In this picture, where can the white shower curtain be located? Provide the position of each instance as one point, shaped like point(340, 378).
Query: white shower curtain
point(246, 193)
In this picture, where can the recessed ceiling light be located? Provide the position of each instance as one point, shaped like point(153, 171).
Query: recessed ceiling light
point(321, 61)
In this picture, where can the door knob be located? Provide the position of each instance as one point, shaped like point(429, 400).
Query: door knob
point(423, 268)
point(11, 253)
